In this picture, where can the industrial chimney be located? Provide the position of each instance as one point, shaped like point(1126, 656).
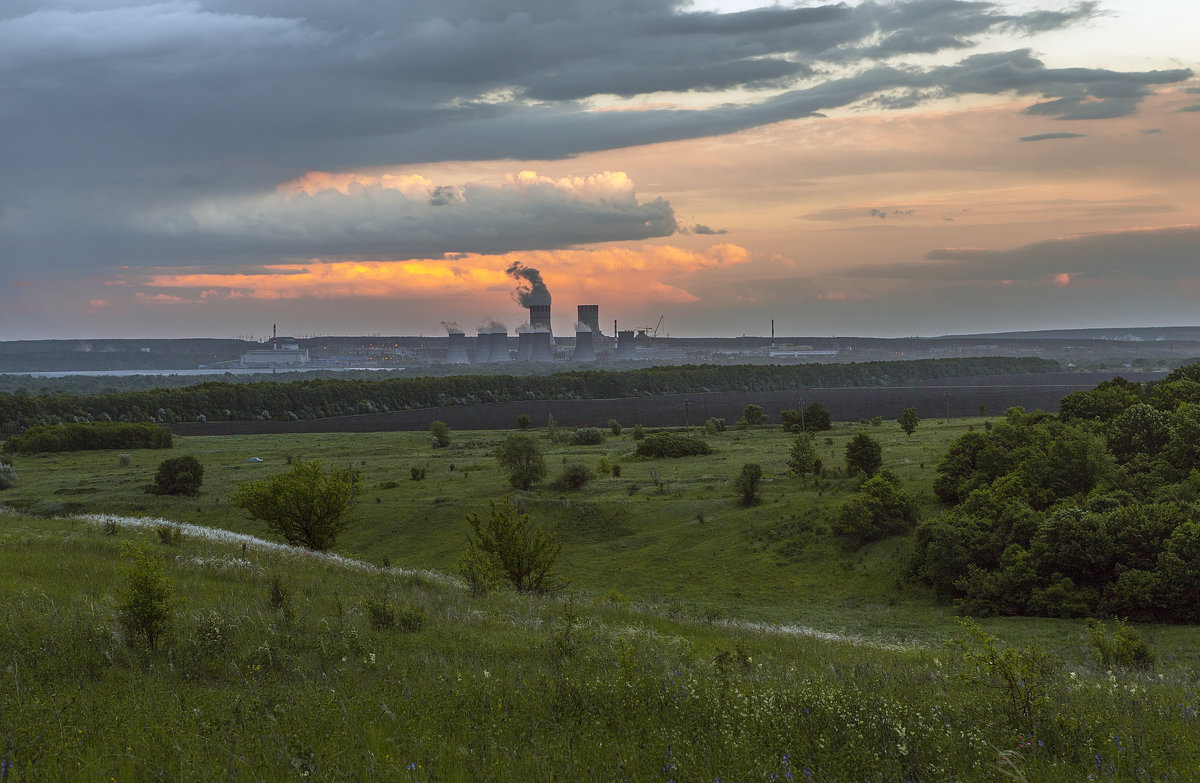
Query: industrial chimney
point(585, 349)
point(524, 344)
point(499, 347)
point(543, 350)
point(625, 349)
point(483, 347)
point(590, 316)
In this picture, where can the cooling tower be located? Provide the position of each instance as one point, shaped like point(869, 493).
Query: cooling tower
point(590, 315)
point(585, 350)
point(539, 315)
point(499, 351)
point(625, 346)
point(483, 348)
point(457, 352)
point(524, 346)
point(542, 350)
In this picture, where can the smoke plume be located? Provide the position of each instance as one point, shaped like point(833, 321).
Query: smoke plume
point(451, 327)
point(490, 325)
point(531, 289)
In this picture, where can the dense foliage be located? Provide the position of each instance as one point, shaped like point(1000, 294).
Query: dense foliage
point(315, 398)
point(883, 508)
point(526, 554)
point(671, 444)
point(521, 459)
point(89, 436)
point(306, 505)
point(1093, 512)
point(178, 476)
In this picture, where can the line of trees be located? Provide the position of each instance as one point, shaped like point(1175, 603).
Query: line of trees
point(316, 398)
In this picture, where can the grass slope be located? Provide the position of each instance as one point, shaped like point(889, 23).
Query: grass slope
point(248, 686)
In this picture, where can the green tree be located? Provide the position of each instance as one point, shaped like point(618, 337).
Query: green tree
point(816, 418)
point(803, 458)
point(525, 554)
point(752, 415)
point(178, 476)
point(147, 602)
point(521, 459)
point(307, 505)
point(747, 482)
point(909, 420)
point(523, 421)
point(883, 509)
point(439, 434)
point(863, 455)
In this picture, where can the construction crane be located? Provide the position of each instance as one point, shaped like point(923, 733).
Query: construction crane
point(652, 331)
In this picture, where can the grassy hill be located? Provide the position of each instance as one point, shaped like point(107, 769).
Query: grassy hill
point(699, 639)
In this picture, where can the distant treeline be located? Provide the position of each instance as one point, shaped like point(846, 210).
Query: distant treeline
point(1094, 512)
point(323, 397)
point(93, 435)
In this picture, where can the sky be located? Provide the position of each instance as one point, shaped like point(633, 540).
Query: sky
point(349, 167)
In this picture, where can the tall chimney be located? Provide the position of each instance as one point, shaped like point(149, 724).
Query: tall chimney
point(456, 352)
point(585, 349)
point(539, 315)
point(590, 315)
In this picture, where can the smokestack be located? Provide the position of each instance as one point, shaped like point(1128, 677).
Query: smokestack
point(590, 315)
point(772, 332)
point(456, 353)
point(542, 351)
point(625, 346)
point(274, 337)
point(531, 292)
point(585, 349)
point(483, 347)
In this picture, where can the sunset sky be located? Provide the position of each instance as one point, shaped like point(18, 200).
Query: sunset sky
point(900, 167)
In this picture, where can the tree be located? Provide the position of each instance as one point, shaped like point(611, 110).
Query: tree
point(306, 505)
point(752, 415)
point(746, 483)
point(816, 418)
point(178, 476)
point(883, 509)
point(526, 554)
point(521, 459)
point(909, 420)
point(147, 602)
point(863, 455)
point(803, 459)
point(523, 421)
point(791, 420)
point(439, 434)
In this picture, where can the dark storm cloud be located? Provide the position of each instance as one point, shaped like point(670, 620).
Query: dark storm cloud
point(116, 111)
point(1167, 253)
point(1049, 136)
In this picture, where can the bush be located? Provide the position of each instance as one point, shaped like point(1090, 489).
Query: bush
point(574, 476)
point(883, 509)
point(521, 459)
point(614, 427)
point(169, 535)
point(909, 420)
point(147, 602)
point(791, 420)
point(802, 459)
point(863, 455)
point(714, 425)
point(669, 444)
point(439, 434)
point(587, 436)
point(638, 432)
point(8, 475)
point(746, 483)
point(417, 473)
point(616, 471)
point(178, 476)
point(123, 460)
point(89, 436)
point(523, 421)
point(482, 571)
point(604, 466)
point(817, 418)
point(526, 555)
point(752, 416)
point(1125, 647)
point(306, 505)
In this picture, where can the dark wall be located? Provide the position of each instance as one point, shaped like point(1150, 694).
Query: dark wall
point(671, 410)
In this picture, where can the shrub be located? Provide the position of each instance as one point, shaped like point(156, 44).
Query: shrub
point(614, 427)
point(439, 434)
point(523, 421)
point(746, 483)
point(306, 505)
point(147, 602)
point(574, 476)
point(816, 418)
point(521, 459)
point(1125, 647)
point(169, 535)
point(714, 425)
point(526, 555)
point(883, 509)
point(616, 471)
point(482, 571)
point(863, 455)
point(802, 459)
point(178, 476)
point(638, 432)
point(417, 473)
point(669, 444)
point(379, 612)
point(8, 475)
point(791, 420)
point(587, 436)
point(89, 436)
point(909, 420)
point(123, 460)
point(876, 421)
point(604, 466)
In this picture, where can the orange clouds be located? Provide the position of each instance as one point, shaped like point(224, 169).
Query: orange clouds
point(647, 274)
point(1062, 280)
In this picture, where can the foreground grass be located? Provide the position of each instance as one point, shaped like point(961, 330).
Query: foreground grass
point(274, 670)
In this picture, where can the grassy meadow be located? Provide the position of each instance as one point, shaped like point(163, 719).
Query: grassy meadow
point(699, 640)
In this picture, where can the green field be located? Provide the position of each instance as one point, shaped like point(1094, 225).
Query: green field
point(698, 639)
